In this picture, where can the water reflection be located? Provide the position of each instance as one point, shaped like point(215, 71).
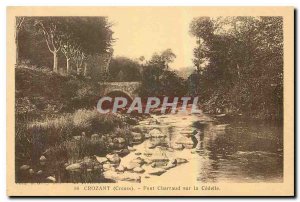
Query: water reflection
point(243, 152)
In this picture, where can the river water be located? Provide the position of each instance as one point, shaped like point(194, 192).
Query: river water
point(216, 151)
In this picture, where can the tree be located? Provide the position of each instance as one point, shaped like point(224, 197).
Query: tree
point(19, 25)
point(163, 59)
point(53, 31)
point(124, 69)
point(93, 38)
point(158, 79)
point(69, 50)
point(79, 57)
point(243, 63)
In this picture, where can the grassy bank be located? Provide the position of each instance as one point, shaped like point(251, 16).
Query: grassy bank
point(56, 122)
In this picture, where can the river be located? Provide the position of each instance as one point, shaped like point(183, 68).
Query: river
point(215, 151)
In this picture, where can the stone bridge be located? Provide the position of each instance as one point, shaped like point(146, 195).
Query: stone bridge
point(120, 89)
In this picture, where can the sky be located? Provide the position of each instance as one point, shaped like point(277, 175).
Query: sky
point(141, 32)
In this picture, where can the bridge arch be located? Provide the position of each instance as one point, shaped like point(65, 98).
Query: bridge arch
point(127, 89)
point(120, 93)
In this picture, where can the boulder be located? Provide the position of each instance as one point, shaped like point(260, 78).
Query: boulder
point(113, 158)
point(126, 176)
point(155, 133)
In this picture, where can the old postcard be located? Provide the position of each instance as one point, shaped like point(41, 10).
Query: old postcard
point(150, 101)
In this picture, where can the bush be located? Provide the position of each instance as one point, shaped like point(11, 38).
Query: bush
point(38, 136)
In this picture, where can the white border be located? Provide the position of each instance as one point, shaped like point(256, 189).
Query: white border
point(5, 3)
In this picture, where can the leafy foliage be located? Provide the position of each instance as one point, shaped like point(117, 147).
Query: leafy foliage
point(158, 80)
point(124, 69)
point(243, 68)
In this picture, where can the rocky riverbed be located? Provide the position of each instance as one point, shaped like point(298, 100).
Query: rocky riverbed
point(197, 147)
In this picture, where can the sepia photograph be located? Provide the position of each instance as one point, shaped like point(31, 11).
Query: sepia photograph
point(150, 101)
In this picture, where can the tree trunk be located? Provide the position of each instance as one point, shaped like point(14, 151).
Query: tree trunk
point(85, 70)
point(68, 65)
point(78, 70)
point(55, 62)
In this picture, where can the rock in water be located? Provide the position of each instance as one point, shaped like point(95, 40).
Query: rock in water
point(101, 159)
point(181, 160)
point(126, 176)
point(131, 149)
point(120, 140)
point(122, 152)
point(138, 162)
point(120, 168)
point(138, 170)
point(178, 146)
point(137, 137)
point(108, 166)
point(113, 158)
point(156, 171)
point(186, 142)
point(156, 133)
